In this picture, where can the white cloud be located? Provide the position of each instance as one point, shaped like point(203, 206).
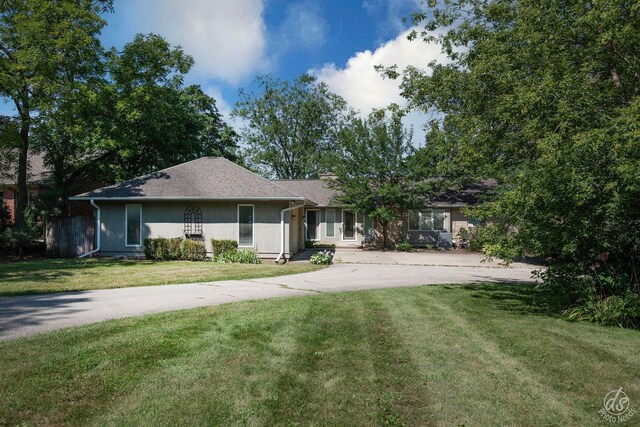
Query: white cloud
point(227, 38)
point(364, 89)
point(303, 26)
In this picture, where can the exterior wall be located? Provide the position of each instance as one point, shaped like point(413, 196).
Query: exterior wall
point(9, 199)
point(10, 196)
point(219, 221)
point(458, 221)
point(338, 228)
point(399, 230)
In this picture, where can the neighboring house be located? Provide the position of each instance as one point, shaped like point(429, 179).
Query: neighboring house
point(36, 175)
point(213, 198)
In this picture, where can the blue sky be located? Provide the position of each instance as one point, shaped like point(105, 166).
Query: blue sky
point(232, 41)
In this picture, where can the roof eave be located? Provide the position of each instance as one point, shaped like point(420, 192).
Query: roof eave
point(143, 198)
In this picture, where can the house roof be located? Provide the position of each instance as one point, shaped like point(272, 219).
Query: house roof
point(316, 191)
point(206, 178)
point(36, 171)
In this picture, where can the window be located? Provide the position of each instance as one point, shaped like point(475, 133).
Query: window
point(313, 224)
point(193, 221)
point(348, 225)
point(330, 220)
point(245, 225)
point(133, 225)
point(428, 220)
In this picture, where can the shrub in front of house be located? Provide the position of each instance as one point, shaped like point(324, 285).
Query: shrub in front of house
point(162, 249)
point(403, 247)
point(193, 250)
point(238, 256)
point(221, 246)
point(312, 244)
point(324, 258)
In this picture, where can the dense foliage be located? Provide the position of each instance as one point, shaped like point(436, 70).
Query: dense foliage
point(371, 167)
point(238, 256)
point(98, 116)
point(178, 248)
point(222, 246)
point(42, 58)
point(290, 126)
point(544, 96)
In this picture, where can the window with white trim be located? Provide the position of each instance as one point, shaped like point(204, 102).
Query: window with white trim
point(133, 225)
point(330, 220)
point(428, 220)
point(245, 225)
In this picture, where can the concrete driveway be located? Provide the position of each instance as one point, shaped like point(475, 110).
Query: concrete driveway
point(433, 258)
point(28, 315)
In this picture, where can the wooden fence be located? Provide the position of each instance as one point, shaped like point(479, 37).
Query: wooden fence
point(69, 236)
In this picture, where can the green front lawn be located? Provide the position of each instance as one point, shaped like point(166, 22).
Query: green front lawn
point(32, 277)
point(446, 355)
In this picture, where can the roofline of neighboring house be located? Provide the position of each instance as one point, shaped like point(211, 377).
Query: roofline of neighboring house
point(142, 198)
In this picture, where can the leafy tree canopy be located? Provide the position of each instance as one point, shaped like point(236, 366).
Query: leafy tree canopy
point(289, 125)
point(42, 44)
point(542, 95)
point(371, 168)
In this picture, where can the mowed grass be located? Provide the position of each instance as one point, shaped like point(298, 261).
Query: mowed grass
point(436, 355)
point(31, 277)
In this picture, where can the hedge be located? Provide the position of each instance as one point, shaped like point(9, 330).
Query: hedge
point(177, 248)
point(219, 247)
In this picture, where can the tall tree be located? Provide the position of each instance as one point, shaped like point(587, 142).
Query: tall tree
point(543, 95)
point(289, 125)
point(370, 164)
point(136, 118)
point(39, 49)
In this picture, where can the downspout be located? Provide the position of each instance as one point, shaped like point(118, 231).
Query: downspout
point(282, 233)
point(97, 248)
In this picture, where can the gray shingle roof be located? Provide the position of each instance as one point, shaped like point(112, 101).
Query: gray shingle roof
point(206, 178)
point(36, 172)
point(314, 190)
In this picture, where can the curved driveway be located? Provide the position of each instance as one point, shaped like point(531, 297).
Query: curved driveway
point(28, 315)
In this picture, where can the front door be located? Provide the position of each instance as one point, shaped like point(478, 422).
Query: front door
point(348, 225)
point(313, 224)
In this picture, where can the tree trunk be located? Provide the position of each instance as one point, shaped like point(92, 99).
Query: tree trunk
point(23, 157)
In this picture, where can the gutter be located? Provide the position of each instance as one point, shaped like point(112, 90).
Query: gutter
point(97, 248)
point(282, 234)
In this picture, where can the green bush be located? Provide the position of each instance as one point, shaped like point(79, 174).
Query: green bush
point(312, 244)
point(15, 239)
point(235, 256)
point(324, 257)
point(403, 247)
point(193, 250)
point(162, 249)
point(616, 310)
point(221, 246)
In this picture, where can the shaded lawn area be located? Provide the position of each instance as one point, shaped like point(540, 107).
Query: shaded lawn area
point(446, 355)
point(57, 275)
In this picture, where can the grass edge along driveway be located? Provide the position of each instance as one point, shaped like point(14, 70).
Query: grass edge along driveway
point(447, 355)
point(36, 277)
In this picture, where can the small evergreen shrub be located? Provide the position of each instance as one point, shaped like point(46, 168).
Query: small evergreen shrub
point(162, 249)
point(221, 246)
point(193, 250)
point(403, 247)
point(312, 244)
point(235, 256)
point(322, 258)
